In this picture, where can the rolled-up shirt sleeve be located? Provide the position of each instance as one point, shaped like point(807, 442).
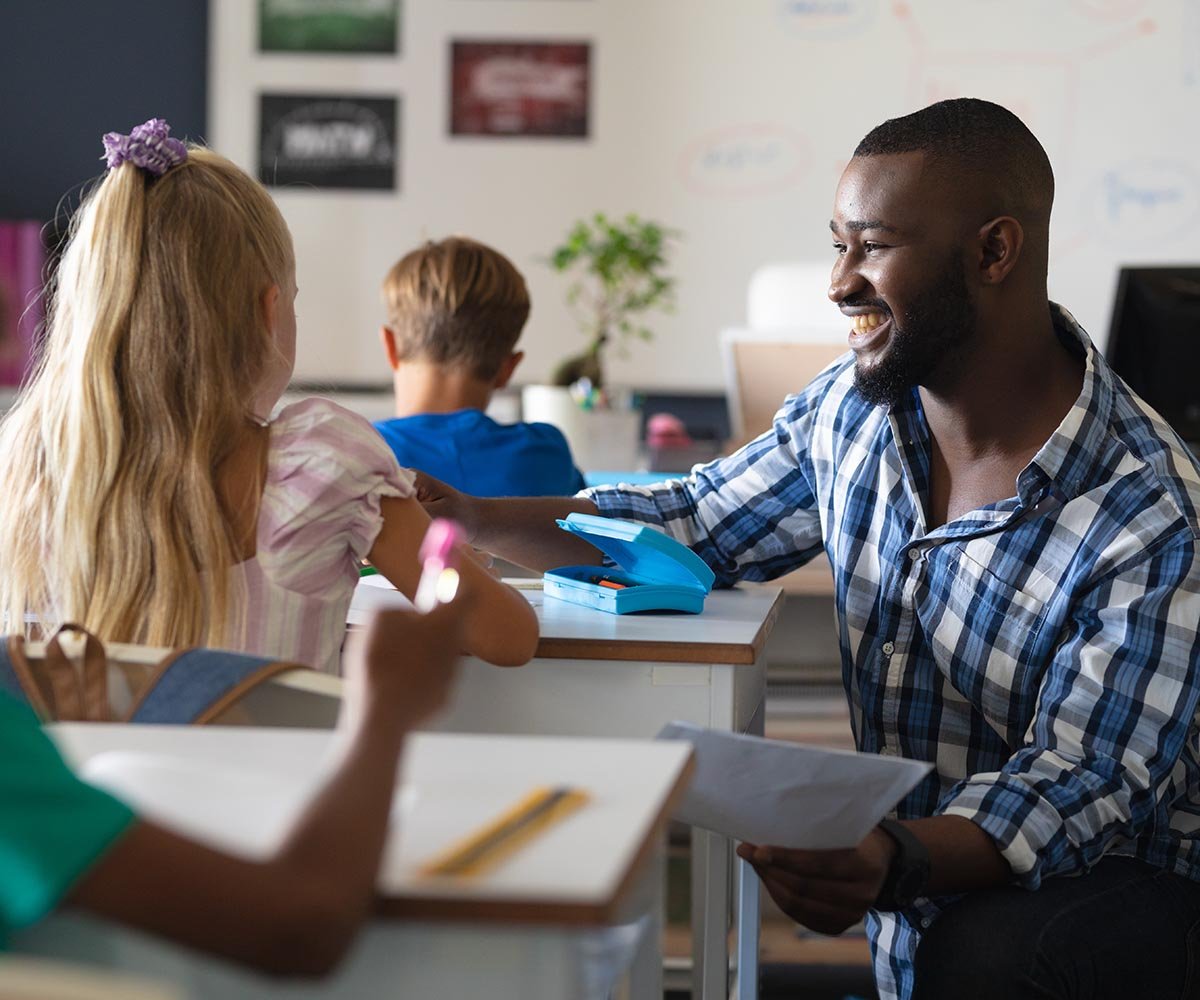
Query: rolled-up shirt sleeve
point(1102, 757)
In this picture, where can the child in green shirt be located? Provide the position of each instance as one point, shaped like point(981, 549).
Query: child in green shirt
point(65, 843)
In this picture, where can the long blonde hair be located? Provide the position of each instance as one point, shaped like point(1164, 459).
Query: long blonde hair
point(156, 345)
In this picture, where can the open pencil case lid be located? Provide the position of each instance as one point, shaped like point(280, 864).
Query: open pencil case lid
point(653, 571)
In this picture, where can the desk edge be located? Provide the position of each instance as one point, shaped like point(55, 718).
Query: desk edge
point(657, 651)
point(533, 911)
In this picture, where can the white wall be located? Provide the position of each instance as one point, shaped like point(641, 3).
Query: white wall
point(731, 120)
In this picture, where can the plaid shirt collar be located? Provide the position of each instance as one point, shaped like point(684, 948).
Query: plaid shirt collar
point(1063, 466)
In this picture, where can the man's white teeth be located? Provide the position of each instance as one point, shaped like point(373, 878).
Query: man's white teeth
point(867, 321)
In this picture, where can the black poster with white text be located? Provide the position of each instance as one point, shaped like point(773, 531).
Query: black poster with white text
point(329, 141)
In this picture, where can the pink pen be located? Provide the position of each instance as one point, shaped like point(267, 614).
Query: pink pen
point(439, 564)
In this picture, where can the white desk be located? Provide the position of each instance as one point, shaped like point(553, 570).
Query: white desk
point(557, 920)
point(598, 674)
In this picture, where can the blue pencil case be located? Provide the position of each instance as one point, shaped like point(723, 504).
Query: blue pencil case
point(653, 571)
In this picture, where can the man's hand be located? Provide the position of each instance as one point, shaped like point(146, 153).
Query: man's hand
point(441, 500)
point(826, 891)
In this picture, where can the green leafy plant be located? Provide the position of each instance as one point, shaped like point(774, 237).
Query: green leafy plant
point(620, 274)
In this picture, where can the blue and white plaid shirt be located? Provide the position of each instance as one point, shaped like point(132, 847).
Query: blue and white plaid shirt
point(1042, 652)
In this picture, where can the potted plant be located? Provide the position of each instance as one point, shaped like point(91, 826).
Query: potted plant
point(619, 273)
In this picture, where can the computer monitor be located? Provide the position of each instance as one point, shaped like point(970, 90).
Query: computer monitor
point(1154, 342)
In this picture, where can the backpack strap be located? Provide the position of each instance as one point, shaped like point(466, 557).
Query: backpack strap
point(197, 685)
point(10, 684)
point(80, 696)
point(15, 675)
point(18, 679)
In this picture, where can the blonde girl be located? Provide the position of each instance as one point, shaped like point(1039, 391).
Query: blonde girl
point(149, 494)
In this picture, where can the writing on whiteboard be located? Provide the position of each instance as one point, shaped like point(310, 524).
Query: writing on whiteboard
point(744, 160)
point(825, 19)
point(1146, 200)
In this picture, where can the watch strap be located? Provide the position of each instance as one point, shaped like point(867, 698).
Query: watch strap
point(908, 874)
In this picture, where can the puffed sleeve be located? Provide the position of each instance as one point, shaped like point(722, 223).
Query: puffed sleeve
point(327, 473)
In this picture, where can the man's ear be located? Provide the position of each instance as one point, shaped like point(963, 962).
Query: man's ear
point(1000, 243)
point(270, 307)
point(505, 374)
point(388, 336)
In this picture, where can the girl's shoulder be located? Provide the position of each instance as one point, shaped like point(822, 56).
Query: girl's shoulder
point(320, 418)
point(318, 442)
point(328, 471)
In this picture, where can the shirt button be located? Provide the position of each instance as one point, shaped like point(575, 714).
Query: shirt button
point(925, 922)
point(889, 648)
point(914, 554)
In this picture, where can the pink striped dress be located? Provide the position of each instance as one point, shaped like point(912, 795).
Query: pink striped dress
point(327, 471)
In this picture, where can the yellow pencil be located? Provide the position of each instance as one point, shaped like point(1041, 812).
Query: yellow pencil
point(507, 833)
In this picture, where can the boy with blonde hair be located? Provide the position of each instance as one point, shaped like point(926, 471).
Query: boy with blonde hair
point(455, 310)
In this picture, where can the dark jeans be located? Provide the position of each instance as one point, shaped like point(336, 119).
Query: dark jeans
point(1125, 930)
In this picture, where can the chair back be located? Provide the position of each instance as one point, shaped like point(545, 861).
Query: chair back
point(761, 370)
point(88, 684)
point(793, 332)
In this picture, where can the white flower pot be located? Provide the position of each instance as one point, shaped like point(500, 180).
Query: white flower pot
point(600, 439)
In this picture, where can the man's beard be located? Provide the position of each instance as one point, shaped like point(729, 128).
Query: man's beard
point(932, 331)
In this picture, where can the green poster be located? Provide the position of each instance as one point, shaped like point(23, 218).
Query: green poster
point(329, 25)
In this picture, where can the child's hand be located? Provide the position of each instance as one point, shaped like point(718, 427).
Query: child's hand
point(402, 665)
point(441, 500)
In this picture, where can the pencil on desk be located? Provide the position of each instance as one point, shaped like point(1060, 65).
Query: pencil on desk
point(507, 833)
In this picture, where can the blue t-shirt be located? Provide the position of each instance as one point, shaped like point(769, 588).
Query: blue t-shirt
point(471, 452)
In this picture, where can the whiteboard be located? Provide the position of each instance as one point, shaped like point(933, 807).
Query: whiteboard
point(730, 120)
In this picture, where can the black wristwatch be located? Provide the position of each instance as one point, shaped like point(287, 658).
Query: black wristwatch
point(908, 874)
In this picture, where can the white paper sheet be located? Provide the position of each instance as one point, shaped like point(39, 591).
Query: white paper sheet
point(785, 794)
point(372, 592)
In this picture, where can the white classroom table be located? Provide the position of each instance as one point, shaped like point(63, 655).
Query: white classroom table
point(598, 674)
point(563, 918)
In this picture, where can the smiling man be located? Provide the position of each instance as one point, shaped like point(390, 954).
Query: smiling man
point(1013, 536)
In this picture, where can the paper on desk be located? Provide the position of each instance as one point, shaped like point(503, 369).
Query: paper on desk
point(374, 592)
point(787, 795)
point(245, 810)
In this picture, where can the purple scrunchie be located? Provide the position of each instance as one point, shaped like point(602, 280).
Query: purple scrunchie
point(148, 146)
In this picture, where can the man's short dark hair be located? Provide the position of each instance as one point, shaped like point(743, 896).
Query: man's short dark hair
point(979, 138)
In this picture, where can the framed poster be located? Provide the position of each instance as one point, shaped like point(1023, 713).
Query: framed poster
point(328, 141)
point(348, 26)
point(520, 88)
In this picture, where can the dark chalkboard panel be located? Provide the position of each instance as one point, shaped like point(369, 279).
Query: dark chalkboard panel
point(71, 70)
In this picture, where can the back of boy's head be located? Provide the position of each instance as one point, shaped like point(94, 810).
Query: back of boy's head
point(456, 303)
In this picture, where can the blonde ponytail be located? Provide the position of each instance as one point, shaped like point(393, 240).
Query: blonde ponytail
point(156, 345)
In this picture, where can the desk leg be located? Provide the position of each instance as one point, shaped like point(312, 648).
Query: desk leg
point(748, 889)
point(710, 915)
point(748, 927)
point(645, 979)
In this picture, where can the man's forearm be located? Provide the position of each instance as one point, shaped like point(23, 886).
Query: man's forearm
point(962, 857)
point(523, 531)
